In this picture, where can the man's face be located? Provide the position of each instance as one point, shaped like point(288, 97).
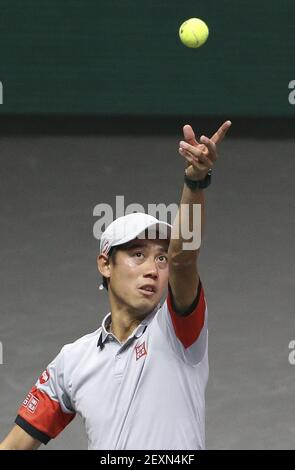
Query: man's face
point(139, 274)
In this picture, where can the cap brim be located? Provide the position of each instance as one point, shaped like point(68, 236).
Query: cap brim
point(161, 230)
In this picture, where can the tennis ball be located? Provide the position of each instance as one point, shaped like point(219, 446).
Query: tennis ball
point(193, 32)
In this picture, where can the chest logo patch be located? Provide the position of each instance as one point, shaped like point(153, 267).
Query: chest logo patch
point(140, 351)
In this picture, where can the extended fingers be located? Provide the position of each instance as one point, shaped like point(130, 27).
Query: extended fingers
point(194, 155)
point(191, 160)
point(189, 135)
point(202, 153)
point(220, 134)
point(211, 146)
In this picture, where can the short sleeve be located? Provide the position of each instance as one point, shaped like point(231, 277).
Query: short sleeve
point(47, 408)
point(187, 333)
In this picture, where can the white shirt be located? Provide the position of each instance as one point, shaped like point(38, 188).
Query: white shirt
point(147, 393)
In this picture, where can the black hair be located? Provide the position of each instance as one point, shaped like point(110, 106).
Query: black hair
point(111, 255)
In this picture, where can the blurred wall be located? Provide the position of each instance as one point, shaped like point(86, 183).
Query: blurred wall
point(111, 57)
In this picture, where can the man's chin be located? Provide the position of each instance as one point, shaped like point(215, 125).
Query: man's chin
point(145, 306)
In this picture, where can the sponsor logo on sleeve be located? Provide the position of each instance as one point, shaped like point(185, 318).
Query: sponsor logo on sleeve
point(44, 377)
point(31, 402)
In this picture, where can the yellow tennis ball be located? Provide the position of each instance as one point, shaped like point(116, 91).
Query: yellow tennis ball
point(193, 32)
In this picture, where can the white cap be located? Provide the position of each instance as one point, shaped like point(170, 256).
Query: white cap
point(128, 227)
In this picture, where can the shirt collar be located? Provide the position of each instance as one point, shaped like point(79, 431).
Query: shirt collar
point(105, 334)
point(105, 326)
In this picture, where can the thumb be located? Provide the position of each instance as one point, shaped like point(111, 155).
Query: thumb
point(189, 135)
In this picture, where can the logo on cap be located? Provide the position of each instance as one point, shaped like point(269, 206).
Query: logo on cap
point(105, 247)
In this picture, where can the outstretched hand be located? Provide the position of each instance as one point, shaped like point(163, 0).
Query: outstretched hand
point(200, 156)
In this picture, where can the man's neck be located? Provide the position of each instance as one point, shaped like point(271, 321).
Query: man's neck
point(123, 320)
point(122, 327)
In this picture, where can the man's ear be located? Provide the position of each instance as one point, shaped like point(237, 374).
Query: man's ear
point(103, 265)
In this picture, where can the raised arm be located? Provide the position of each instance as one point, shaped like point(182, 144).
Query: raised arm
point(183, 252)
